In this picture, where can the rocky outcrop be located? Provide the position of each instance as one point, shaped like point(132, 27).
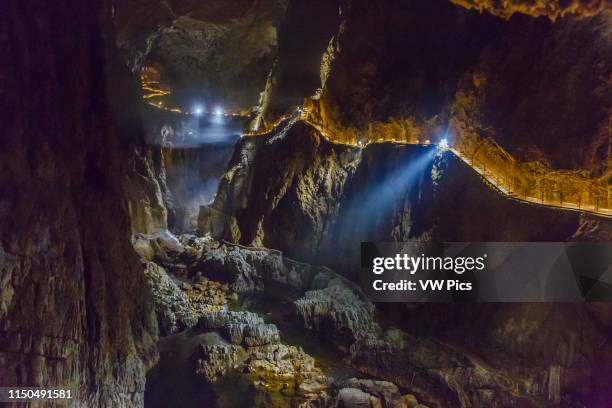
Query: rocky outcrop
point(371, 393)
point(473, 355)
point(242, 328)
point(389, 81)
point(281, 374)
point(296, 71)
point(481, 363)
point(337, 312)
point(234, 342)
point(179, 305)
point(304, 175)
point(146, 205)
point(316, 200)
point(174, 311)
point(426, 206)
point(249, 269)
point(74, 310)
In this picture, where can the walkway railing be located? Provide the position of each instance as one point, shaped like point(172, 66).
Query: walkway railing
point(529, 182)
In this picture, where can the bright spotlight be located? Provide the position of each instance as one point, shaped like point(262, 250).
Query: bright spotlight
point(218, 111)
point(198, 110)
point(443, 145)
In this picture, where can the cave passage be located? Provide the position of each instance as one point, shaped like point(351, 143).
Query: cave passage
point(185, 187)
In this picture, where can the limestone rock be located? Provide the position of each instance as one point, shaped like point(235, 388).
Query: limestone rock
point(217, 359)
point(550, 9)
point(74, 304)
point(179, 305)
point(223, 48)
point(168, 244)
point(337, 312)
point(250, 269)
point(287, 369)
point(173, 308)
point(355, 398)
point(316, 201)
point(241, 328)
point(218, 224)
point(384, 390)
point(279, 372)
point(145, 203)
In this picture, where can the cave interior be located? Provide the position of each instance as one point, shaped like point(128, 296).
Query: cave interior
point(185, 186)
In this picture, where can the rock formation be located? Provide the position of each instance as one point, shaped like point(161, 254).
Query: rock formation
point(431, 354)
point(552, 9)
point(187, 157)
point(378, 86)
point(389, 77)
point(75, 311)
point(90, 275)
point(293, 190)
point(240, 343)
point(215, 52)
point(316, 200)
point(296, 71)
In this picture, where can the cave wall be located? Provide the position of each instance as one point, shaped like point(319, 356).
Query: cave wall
point(522, 83)
point(539, 88)
point(568, 342)
point(74, 309)
point(146, 206)
point(301, 46)
point(525, 98)
point(391, 76)
point(317, 200)
point(186, 157)
point(216, 53)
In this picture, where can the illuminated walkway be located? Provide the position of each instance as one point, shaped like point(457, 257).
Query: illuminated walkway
point(592, 203)
point(527, 182)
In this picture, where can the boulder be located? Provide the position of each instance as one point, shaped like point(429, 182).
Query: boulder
point(215, 360)
point(337, 312)
point(174, 310)
point(355, 398)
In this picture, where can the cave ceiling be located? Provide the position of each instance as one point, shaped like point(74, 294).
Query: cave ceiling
point(214, 52)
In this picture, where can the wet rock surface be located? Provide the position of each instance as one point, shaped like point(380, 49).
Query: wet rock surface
point(179, 303)
point(316, 201)
point(242, 345)
point(371, 393)
point(77, 305)
point(283, 372)
point(435, 372)
point(424, 365)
